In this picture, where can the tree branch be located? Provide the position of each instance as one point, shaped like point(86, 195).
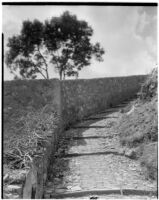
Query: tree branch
point(47, 75)
point(57, 62)
point(40, 71)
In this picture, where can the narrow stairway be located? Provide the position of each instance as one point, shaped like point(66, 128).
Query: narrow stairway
point(91, 164)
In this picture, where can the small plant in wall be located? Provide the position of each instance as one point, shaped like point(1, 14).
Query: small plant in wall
point(64, 42)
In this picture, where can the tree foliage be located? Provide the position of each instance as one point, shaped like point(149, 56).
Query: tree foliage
point(63, 41)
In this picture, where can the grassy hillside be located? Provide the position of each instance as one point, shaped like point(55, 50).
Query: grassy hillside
point(139, 128)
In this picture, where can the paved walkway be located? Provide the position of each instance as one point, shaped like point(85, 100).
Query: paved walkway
point(91, 164)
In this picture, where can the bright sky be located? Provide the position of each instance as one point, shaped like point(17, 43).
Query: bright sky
point(128, 35)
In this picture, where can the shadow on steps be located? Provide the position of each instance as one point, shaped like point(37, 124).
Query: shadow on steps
point(124, 192)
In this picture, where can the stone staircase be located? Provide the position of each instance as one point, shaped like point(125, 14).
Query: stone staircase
point(91, 164)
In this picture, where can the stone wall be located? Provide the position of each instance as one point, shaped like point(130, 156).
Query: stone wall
point(84, 97)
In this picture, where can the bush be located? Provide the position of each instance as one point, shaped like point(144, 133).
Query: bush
point(149, 88)
point(37, 127)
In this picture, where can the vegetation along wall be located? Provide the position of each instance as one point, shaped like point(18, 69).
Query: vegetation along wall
point(31, 128)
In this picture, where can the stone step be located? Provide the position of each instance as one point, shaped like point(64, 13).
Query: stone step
point(98, 172)
point(113, 109)
point(90, 145)
point(120, 106)
point(90, 137)
point(98, 118)
point(91, 154)
point(77, 127)
point(123, 192)
point(109, 110)
point(85, 132)
point(90, 162)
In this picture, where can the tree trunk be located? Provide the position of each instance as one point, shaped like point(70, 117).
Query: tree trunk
point(60, 75)
point(45, 63)
point(47, 74)
point(64, 75)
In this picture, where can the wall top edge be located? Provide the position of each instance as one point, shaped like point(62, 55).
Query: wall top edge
point(31, 80)
point(56, 79)
point(111, 77)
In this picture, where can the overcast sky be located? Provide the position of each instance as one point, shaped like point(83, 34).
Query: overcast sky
point(128, 35)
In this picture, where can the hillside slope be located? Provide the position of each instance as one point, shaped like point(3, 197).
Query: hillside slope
point(138, 128)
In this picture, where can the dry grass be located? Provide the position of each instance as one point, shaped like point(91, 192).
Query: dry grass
point(37, 128)
point(141, 125)
point(140, 129)
point(149, 160)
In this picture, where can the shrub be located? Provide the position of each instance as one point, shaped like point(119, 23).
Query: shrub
point(37, 127)
point(149, 88)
